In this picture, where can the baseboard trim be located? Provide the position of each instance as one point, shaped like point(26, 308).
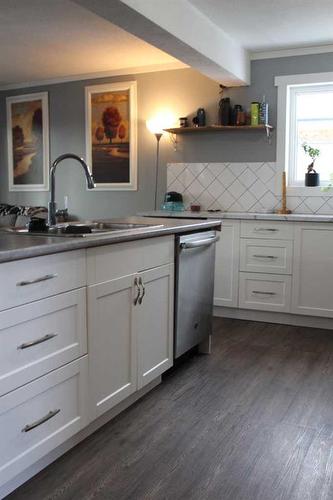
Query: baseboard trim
point(73, 441)
point(273, 317)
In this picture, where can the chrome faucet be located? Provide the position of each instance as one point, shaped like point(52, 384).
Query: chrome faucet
point(52, 204)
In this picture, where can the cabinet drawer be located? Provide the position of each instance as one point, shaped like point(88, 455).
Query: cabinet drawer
point(266, 292)
point(40, 416)
point(268, 230)
point(39, 337)
point(32, 279)
point(267, 256)
point(114, 261)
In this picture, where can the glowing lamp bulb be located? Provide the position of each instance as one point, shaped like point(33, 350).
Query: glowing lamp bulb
point(158, 123)
point(154, 125)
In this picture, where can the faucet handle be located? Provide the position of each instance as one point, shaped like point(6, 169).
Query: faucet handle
point(62, 215)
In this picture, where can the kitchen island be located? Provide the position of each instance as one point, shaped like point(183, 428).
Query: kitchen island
point(86, 328)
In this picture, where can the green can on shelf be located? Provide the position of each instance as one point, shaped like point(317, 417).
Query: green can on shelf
point(255, 107)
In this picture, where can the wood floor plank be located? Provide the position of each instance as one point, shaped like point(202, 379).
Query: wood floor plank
point(252, 421)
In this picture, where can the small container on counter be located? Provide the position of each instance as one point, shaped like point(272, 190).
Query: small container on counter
point(195, 207)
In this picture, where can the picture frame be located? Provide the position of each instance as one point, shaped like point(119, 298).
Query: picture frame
point(111, 135)
point(28, 142)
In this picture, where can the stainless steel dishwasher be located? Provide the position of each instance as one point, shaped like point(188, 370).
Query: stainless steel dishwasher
point(195, 262)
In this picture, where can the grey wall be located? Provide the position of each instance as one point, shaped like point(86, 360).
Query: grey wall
point(181, 91)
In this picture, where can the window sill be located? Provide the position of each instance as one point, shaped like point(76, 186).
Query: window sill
point(308, 191)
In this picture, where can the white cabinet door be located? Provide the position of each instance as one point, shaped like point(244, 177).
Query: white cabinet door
point(313, 270)
point(227, 265)
point(154, 323)
point(38, 417)
point(112, 343)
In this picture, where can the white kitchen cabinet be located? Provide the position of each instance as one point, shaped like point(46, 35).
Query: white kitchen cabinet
point(130, 329)
point(266, 256)
point(227, 265)
point(27, 280)
point(39, 416)
point(264, 292)
point(39, 337)
point(130, 321)
point(269, 230)
point(112, 343)
point(153, 323)
point(313, 270)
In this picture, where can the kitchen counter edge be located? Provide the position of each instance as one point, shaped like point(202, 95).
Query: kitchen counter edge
point(16, 247)
point(240, 216)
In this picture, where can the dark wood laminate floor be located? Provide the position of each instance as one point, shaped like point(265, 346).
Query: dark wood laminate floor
point(252, 421)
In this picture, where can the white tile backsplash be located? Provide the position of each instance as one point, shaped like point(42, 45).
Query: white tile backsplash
point(238, 187)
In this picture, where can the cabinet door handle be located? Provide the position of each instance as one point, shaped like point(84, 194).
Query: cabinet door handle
point(41, 421)
point(31, 343)
point(136, 284)
point(143, 290)
point(257, 292)
point(257, 256)
point(37, 280)
point(270, 229)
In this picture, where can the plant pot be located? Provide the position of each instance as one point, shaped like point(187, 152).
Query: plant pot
point(312, 179)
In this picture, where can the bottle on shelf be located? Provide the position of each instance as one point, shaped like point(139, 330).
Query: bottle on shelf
point(255, 113)
point(201, 116)
point(224, 111)
point(263, 112)
point(237, 109)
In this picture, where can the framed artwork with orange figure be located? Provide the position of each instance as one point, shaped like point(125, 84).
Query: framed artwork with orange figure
point(111, 135)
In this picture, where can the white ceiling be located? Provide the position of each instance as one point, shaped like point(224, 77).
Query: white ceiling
point(54, 40)
point(49, 39)
point(261, 25)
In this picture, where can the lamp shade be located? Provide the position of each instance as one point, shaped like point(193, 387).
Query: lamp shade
point(154, 126)
point(162, 120)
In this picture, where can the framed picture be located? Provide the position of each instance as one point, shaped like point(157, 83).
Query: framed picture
point(111, 135)
point(28, 142)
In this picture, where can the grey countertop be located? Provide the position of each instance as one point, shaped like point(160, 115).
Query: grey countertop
point(21, 246)
point(240, 216)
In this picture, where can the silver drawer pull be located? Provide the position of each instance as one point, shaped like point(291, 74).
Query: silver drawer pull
point(136, 284)
point(257, 292)
point(143, 288)
point(26, 345)
point(41, 421)
point(270, 229)
point(265, 256)
point(37, 280)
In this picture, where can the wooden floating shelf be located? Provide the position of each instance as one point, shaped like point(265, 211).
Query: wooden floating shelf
point(217, 128)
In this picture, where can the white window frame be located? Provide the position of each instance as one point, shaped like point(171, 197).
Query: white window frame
point(287, 87)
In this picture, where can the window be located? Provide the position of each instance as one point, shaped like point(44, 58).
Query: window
point(305, 115)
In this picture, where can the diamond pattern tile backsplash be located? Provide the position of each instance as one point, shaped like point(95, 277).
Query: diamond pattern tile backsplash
point(238, 187)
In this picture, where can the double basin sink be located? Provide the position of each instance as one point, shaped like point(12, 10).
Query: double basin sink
point(86, 229)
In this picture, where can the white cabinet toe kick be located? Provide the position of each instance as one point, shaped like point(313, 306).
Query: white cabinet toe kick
point(281, 270)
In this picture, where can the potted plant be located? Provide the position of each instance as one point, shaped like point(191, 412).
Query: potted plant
point(311, 176)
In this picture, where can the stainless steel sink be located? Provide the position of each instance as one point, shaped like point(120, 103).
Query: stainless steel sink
point(85, 229)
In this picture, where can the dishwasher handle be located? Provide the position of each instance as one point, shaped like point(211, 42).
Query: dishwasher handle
point(199, 243)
